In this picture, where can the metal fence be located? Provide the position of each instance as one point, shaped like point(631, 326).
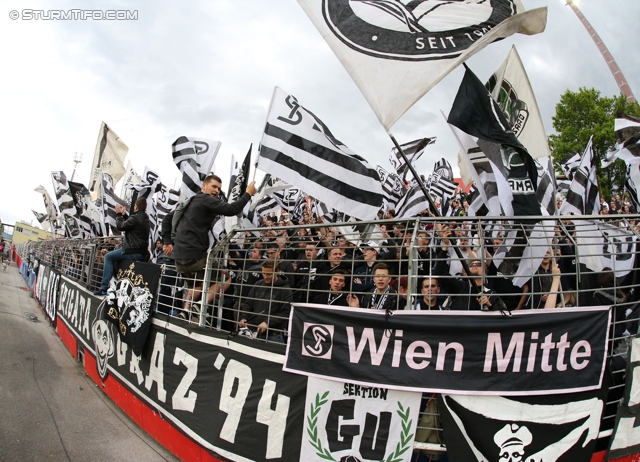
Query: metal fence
point(592, 261)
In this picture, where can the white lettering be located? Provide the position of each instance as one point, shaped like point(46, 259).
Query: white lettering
point(233, 405)
point(412, 353)
point(275, 420)
point(546, 348)
point(156, 368)
point(442, 353)
point(533, 350)
point(184, 399)
point(494, 344)
point(419, 43)
point(134, 367)
point(367, 337)
point(562, 346)
point(576, 354)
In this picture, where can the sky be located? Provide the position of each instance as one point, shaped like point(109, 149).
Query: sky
point(208, 68)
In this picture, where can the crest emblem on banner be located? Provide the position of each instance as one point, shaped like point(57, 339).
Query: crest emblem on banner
point(318, 340)
point(419, 31)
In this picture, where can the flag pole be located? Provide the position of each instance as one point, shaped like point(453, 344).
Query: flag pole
point(436, 212)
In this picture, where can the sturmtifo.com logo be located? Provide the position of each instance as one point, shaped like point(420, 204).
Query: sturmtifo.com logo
point(417, 30)
point(317, 340)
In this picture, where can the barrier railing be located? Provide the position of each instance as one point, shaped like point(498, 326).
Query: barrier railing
point(585, 261)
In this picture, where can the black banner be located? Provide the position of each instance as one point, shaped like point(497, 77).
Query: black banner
point(46, 291)
point(131, 298)
point(228, 395)
point(533, 352)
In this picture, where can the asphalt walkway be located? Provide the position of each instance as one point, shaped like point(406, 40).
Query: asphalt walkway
point(50, 410)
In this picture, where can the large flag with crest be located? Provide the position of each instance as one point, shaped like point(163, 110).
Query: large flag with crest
point(396, 50)
point(511, 88)
point(300, 149)
point(108, 157)
point(194, 157)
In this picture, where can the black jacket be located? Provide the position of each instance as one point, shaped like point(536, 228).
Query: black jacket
point(136, 232)
point(192, 234)
point(268, 303)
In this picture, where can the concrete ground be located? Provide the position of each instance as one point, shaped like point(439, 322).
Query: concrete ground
point(50, 410)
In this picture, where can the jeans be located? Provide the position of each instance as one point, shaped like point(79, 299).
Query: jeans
point(113, 257)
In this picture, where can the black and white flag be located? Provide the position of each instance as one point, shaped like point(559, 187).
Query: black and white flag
point(300, 149)
point(570, 164)
point(149, 185)
point(109, 201)
point(539, 428)
point(392, 187)
point(66, 206)
point(476, 113)
point(545, 193)
point(91, 220)
point(43, 219)
point(627, 129)
point(441, 184)
point(108, 157)
point(583, 197)
point(194, 157)
point(413, 150)
point(413, 203)
point(130, 178)
point(50, 207)
point(130, 301)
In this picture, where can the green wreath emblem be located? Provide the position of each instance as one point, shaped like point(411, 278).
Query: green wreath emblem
point(312, 420)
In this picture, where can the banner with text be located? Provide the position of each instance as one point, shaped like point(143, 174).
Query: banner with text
point(228, 395)
point(349, 422)
point(46, 290)
point(533, 352)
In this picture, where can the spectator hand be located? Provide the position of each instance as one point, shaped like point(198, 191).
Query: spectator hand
point(167, 249)
point(251, 188)
point(262, 327)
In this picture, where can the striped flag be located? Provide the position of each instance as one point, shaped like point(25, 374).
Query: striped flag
point(441, 184)
point(91, 220)
point(627, 130)
point(570, 164)
point(194, 157)
point(166, 200)
point(266, 206)
point(413, 203)
point(108, 157)
point(300, 149)
point(66, 206)
point(413, 150)
point(392, 187)
point(477, 205)
point(583, 197)
point(109, 201)
point(443, 169)
point(49, 206)
point(545, 193)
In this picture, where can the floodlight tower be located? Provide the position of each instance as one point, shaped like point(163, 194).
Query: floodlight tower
point(76, 159)
point(613, 66)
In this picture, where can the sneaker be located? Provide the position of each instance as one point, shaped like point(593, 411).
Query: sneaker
point(100, 292)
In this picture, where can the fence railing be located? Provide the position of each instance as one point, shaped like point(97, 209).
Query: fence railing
point(590, 261)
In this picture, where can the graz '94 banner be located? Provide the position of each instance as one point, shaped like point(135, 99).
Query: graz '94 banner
point(230, 396)
point(531, 353)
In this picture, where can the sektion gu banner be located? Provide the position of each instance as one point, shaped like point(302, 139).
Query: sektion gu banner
point(534, 352)
point(349, 422)
point(131, 295)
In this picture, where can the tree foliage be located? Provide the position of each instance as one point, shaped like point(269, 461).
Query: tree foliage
point(579, 115)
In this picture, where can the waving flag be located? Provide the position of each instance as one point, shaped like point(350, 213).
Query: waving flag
point(300, 149)
point(511, 88)
point(43, 219)
point(627, 148)
point(109, 201)
point(108, 157)
point(413, 150)
point(396, 51)
point(50, 207)
point(66, 206)
point(194, 157)
point(91, 220)
point(583, 197)
point(392, 187)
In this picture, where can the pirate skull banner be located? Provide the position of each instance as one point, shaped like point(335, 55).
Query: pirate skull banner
point(552, 428)
point(130, 299)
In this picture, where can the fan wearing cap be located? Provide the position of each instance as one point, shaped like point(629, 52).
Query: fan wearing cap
point(383, 296)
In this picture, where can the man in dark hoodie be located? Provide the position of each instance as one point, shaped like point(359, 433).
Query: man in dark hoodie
point(267, 307)
point(191, 241)
point(135, 242)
